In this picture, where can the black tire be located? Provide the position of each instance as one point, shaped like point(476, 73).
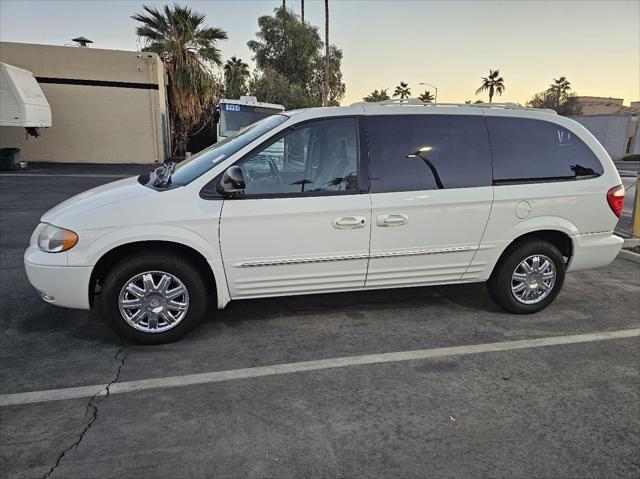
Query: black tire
point(499, 284)
point(127, 268)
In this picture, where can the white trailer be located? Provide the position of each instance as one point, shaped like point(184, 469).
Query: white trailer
point(22, 102)
point(237, 114)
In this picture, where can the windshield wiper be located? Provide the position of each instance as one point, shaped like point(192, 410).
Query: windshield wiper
point(163, 174)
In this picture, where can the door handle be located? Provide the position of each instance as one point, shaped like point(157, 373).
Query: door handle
point(349, 222)
point(392, 220)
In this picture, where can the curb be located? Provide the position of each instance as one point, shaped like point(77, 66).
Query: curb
point(631, 242)
point(629, 256)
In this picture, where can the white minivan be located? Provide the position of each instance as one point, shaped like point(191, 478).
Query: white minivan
point(386, 195)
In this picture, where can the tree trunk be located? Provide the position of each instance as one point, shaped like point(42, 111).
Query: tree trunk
point(302, 10)
point(326, 48)
point(490, 93)
point(284, 4)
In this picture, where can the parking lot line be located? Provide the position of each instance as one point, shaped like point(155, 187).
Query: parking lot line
point(278, 369)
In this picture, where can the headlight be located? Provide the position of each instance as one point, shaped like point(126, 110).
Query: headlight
point(56, 240)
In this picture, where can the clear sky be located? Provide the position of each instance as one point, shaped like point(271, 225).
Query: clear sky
point(451, 44)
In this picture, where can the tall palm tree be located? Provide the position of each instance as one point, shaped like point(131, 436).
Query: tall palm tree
point(302, 10)
point(377, 95)
point(402, 90)
point(188, 49)
point(326, 53)
point(426, 97)
point(494, 83)
point(560, 86)
point(236, 74)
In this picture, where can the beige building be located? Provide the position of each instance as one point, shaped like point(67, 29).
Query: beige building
point(615, 125)
point(598, 105)
point(107, 106)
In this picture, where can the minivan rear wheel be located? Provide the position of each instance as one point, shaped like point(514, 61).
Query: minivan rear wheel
point(153, 298)
point(528, 277)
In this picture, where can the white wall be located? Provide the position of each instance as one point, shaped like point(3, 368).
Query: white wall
point(610, 130)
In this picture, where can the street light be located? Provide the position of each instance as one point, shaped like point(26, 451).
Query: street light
point(434, 87)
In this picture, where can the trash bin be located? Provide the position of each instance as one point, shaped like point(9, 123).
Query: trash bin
point(10, 159)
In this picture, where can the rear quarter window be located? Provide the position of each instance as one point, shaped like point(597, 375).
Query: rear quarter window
point(529, 150)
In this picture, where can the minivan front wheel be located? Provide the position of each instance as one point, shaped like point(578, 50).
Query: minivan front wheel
point(528, 278)
point(153, 298)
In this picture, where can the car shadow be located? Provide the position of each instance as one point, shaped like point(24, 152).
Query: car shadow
point(471, 297)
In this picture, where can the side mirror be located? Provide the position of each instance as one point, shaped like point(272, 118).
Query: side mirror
point(232, 181)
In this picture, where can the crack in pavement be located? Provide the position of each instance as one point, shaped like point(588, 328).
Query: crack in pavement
point(92, 408)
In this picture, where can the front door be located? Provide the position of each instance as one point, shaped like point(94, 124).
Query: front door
point(303, 223)
point(431, 196)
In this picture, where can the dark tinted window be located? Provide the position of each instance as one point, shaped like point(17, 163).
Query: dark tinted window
point(426, 152)
point(525, 149)
point(317, 156)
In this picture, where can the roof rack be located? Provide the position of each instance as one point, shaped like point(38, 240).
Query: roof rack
point(417, 102)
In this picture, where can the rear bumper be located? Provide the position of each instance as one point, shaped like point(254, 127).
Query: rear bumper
point(594, 250)
point(66, 286)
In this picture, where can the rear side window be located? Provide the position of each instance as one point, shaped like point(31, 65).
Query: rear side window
point(526, 150)
point(428, 152)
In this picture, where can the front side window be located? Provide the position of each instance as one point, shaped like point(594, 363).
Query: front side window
point(526, 150)
point(321, 156)
point(428, 152)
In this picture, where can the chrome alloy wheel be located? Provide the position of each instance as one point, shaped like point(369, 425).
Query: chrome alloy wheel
point(533, 279)
point(153, 301)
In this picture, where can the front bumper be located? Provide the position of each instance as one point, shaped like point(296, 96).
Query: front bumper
point(57, 283)
point(594, 250)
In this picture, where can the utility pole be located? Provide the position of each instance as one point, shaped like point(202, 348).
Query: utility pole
point(302, 10)
point(284, 4)
point(326, 48)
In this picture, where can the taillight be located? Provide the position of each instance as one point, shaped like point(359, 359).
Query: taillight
point(615, 198)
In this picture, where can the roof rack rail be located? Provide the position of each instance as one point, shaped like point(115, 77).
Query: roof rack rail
point(417, 102)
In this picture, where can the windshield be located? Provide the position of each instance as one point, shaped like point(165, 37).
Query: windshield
point(234, 118)
point(203, 161)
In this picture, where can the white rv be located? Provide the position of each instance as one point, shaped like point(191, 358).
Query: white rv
point(23, 103)
point(237, 114)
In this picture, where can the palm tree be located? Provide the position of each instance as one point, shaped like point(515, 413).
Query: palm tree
point(494, 83)
point(402, 90)
point(426, 97)
point(326, 53)
point(560, 86)
point(236, 74)
point(377, 95)
point(302, 10)
point(188, 50)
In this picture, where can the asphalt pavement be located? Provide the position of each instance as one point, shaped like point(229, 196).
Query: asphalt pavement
point(537, 409)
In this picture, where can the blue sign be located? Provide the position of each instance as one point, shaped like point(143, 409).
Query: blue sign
point(229, 107)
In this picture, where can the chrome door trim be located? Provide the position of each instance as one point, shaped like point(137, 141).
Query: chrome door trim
point(322, 259)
